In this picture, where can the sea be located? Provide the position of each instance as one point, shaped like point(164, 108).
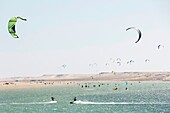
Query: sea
point(92, 97)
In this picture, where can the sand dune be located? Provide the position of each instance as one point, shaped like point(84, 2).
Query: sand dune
point(104, 76)
point(65, 79)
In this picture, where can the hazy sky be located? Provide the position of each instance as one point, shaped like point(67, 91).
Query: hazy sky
point(82, 32)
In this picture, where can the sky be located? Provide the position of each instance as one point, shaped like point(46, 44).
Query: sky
point(84, 35)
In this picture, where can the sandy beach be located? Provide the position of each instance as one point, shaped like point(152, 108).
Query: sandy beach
point(65, 79)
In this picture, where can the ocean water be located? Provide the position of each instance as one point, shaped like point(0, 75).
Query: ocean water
point(144, 97)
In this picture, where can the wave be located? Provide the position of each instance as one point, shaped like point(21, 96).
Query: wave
point(1, 104)
point(51, 102)
point(120, 103)
point(88, 89)
point(88, 102)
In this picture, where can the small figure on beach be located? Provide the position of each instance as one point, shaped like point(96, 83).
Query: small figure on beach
point(52, 98)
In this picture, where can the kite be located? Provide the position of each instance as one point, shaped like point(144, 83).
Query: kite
point(11, 26)
point(160, 46)
point(139, 32)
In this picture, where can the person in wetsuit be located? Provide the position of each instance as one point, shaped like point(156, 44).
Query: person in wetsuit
point(75, 98)
point(52, 98)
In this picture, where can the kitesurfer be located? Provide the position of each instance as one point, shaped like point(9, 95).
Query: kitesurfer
point(115, 88)
point(75, 99)
point(52, 98)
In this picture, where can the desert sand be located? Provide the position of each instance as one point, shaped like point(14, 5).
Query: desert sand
point(65, 79)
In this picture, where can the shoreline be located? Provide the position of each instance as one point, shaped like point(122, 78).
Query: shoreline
point(28, 85)
point(65, 79)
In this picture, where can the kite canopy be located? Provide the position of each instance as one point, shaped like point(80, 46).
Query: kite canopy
point(139, 32)
point(11, 25)
point(147, 60)
point(119, 63)
point(160, 46)
point(130, 62)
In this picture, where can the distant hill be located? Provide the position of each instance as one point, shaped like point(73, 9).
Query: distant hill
point(103, 76)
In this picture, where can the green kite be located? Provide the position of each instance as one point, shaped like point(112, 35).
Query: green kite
point(11, 25)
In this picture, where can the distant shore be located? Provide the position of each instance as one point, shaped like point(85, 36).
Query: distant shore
point(65, 79)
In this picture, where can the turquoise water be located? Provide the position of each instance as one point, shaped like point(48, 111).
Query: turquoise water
point(138, 98)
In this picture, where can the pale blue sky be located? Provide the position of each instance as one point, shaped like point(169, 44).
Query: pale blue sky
point(80, 32)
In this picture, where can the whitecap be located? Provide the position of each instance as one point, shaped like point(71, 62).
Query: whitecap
point(50, 102)
point(120, 103)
